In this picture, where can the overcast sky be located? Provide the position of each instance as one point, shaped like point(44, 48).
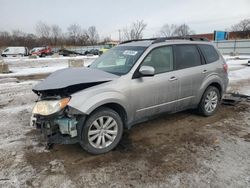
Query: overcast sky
point(109, 16)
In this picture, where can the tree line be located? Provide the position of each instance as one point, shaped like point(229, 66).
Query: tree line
point(78, 36)
point(51, 35)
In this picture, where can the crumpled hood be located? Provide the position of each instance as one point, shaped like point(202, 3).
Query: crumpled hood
point(73, 76)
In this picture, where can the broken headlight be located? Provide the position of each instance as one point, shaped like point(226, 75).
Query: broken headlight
point(48, 107)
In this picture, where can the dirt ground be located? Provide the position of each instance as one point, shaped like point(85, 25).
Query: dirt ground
point(179, 150)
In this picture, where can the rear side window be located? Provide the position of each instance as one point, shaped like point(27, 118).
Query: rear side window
point(209, 53)
point(186, 56)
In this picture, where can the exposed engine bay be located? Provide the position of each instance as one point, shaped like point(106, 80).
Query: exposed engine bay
point(61, 128)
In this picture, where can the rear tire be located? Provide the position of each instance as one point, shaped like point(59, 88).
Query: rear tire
point(210, 101)
point(102, 131)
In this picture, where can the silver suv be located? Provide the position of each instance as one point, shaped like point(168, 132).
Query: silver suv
point(129, 84)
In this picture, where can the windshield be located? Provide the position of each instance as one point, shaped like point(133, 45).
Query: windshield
point(118, 60)
point(36, 49)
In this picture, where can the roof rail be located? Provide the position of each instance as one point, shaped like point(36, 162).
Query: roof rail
point(134, 40)
point(163, 39)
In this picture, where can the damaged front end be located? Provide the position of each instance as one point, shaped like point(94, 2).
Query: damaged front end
point(59, 123)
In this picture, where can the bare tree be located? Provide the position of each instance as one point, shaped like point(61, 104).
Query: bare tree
point(243, 25)
point(43, 31)
point(18, 37)
point(17, 33)
point(56, 33)
point(135, 31)
point(93, 35)
point(175, 30)
point(107, 39)
point(167, 30)
point(74, 31)
point(183, 30)
point(84, 37)
point(241, 29)
point(31, 41)
point(5, 38)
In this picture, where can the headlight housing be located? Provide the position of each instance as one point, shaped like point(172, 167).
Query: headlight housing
point(48, 107)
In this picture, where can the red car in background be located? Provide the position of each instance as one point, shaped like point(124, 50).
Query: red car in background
point(41, 51)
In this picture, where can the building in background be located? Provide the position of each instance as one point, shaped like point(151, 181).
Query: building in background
point(220, 35)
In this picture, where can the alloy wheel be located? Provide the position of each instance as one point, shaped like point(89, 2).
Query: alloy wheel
point(102, 132)
point(211, 101)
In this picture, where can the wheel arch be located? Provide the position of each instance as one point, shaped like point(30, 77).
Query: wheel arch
point(215, 83)
point(201, 106)
point(117, 108)
point(218, 86)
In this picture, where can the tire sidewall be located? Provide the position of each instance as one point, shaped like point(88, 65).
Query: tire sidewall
point(202, 103)
point(93, 116)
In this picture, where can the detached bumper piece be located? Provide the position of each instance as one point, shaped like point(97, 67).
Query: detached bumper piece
point(234, 98)
point(59, 129)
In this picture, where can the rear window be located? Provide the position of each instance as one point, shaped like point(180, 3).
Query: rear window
point(209, 53)
point(186, 56)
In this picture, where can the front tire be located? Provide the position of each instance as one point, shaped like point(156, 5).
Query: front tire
point(210, 101)
point(102, 131)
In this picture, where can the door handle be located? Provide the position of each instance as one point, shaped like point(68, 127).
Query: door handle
point(173, 78)
point(204, 71)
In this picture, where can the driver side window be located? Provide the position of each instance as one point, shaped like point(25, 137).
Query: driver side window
point(161, 59)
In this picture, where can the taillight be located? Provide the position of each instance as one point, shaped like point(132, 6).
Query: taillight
point(225, 67)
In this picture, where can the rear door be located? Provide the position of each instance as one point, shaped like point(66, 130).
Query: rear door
point(212, 59)
point(190, 72)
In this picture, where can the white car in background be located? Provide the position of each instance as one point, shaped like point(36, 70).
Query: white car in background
point(15, 51)
point(37, 49)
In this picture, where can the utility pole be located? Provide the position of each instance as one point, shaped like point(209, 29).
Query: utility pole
point(119, 35)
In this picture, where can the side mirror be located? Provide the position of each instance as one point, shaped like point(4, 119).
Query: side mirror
point(147, 71)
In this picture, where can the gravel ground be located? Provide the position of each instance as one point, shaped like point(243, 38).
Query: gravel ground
point(180, 150)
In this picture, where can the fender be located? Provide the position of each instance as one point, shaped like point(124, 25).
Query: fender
point(210, 79)
point(93, 102)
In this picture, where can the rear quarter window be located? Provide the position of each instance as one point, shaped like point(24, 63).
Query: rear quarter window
point(209, 53)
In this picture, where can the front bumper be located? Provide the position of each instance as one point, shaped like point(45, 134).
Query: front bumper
point(59, 128)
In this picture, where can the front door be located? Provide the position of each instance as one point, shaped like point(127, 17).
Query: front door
point(156, 94)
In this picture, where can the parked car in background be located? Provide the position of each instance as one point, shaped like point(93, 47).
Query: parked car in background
point(41, 51)
point(107, 46)
point(15, 51)
point(55, 50)
point(69, 52)
point(130, 83)
point(92, 52)
point(35, 50)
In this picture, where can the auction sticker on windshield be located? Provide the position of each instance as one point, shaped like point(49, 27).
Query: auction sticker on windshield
point(130, 52)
